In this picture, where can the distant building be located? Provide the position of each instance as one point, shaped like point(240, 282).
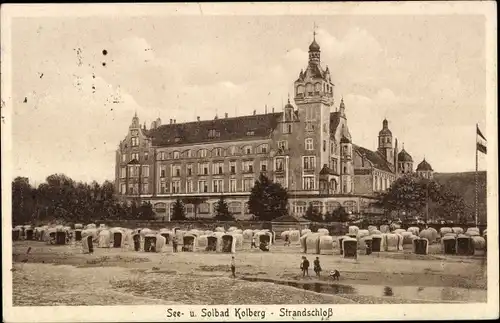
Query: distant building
point(307, 148)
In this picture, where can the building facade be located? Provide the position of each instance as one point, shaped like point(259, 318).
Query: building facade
point(307, 148)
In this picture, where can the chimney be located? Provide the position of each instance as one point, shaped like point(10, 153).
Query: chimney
point(171, 120)
point(226, 115)
point(254, 112)
point(198, 118)
point(266, 109)
point(174, 120)
point(273, 110)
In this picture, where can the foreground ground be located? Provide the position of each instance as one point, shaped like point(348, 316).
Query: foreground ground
point(63, 275)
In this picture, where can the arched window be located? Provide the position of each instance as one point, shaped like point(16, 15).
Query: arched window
point(309, 89)
point(235, 207)
point(202, 153)
point(332, 206)
point(204, 208)
point(309, 143)
point(350, 206)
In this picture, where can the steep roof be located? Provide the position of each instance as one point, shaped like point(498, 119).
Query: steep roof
point(403, 156)
point(334, 121)
point(424, 166)
point(376, 158)
point(245, 127)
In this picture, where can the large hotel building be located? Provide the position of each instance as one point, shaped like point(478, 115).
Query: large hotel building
point(307, 148)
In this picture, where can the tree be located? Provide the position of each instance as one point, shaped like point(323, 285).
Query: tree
point(222, 210)
point(268, 200)
point(409, 194)
point(179, 213)
point(451, 206)
point(340, 215)
point(23, 201)
point(312, 214)
point(146, 211)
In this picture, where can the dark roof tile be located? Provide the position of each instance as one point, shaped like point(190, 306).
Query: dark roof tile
point(375, 158)
point(260, 126)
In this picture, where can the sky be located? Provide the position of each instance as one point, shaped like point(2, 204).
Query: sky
point(425, 74)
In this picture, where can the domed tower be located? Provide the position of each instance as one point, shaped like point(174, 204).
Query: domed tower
point(424, 169)
point(385, 142)
point(313, 98)
point(405, 162)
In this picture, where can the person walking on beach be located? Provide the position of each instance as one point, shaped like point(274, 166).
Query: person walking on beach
point(304, 266)
point(233, 267)
point(253, 243)
point(317, 267)
point(174, 243)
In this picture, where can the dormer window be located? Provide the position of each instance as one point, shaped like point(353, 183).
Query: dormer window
point(250, 133)
point(177, 139)
point(213, 133)
point(135, 141)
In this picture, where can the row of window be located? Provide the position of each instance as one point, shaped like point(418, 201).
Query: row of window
point(381, 184)
point(315, 89)
point(134, 171)
point(300, 207)
point(204, 208)
point(216, 152)
point(207, 186)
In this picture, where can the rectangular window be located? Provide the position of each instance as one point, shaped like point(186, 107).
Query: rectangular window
point(176, 170)
point(324, 145)
point(232, 167)
point(248, 184)
point(203, 153)
point(135, 141)
point(203, 169)
point(124, 158)
point(335, 165)
point(263, 166)
point(218, 152)
point(162, 155)
point(248, 150)
point(283, 145)
point(308, 183)
point(123, 172)
point(202, 186)
point(163, 187)
point(217, 185)
point(309, 144)
point(287, 128)
point(163, 171)
point(177, 155)
point(176, 186)
point(232, 185)
point(189, 186)
point(309, 162)
point(145, 188)
point(248, 166)
point(189, 169)
point(213, 133)
point(135, 156)
point(145, 171)
point(264, 148)
point(218, 168)
point(131, 171)
point(280, 165)
point(123, 189)
point(146, 156)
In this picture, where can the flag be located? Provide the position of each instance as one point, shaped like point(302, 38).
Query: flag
point(480, 141)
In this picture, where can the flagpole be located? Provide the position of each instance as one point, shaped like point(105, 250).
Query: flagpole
point(476, 179)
